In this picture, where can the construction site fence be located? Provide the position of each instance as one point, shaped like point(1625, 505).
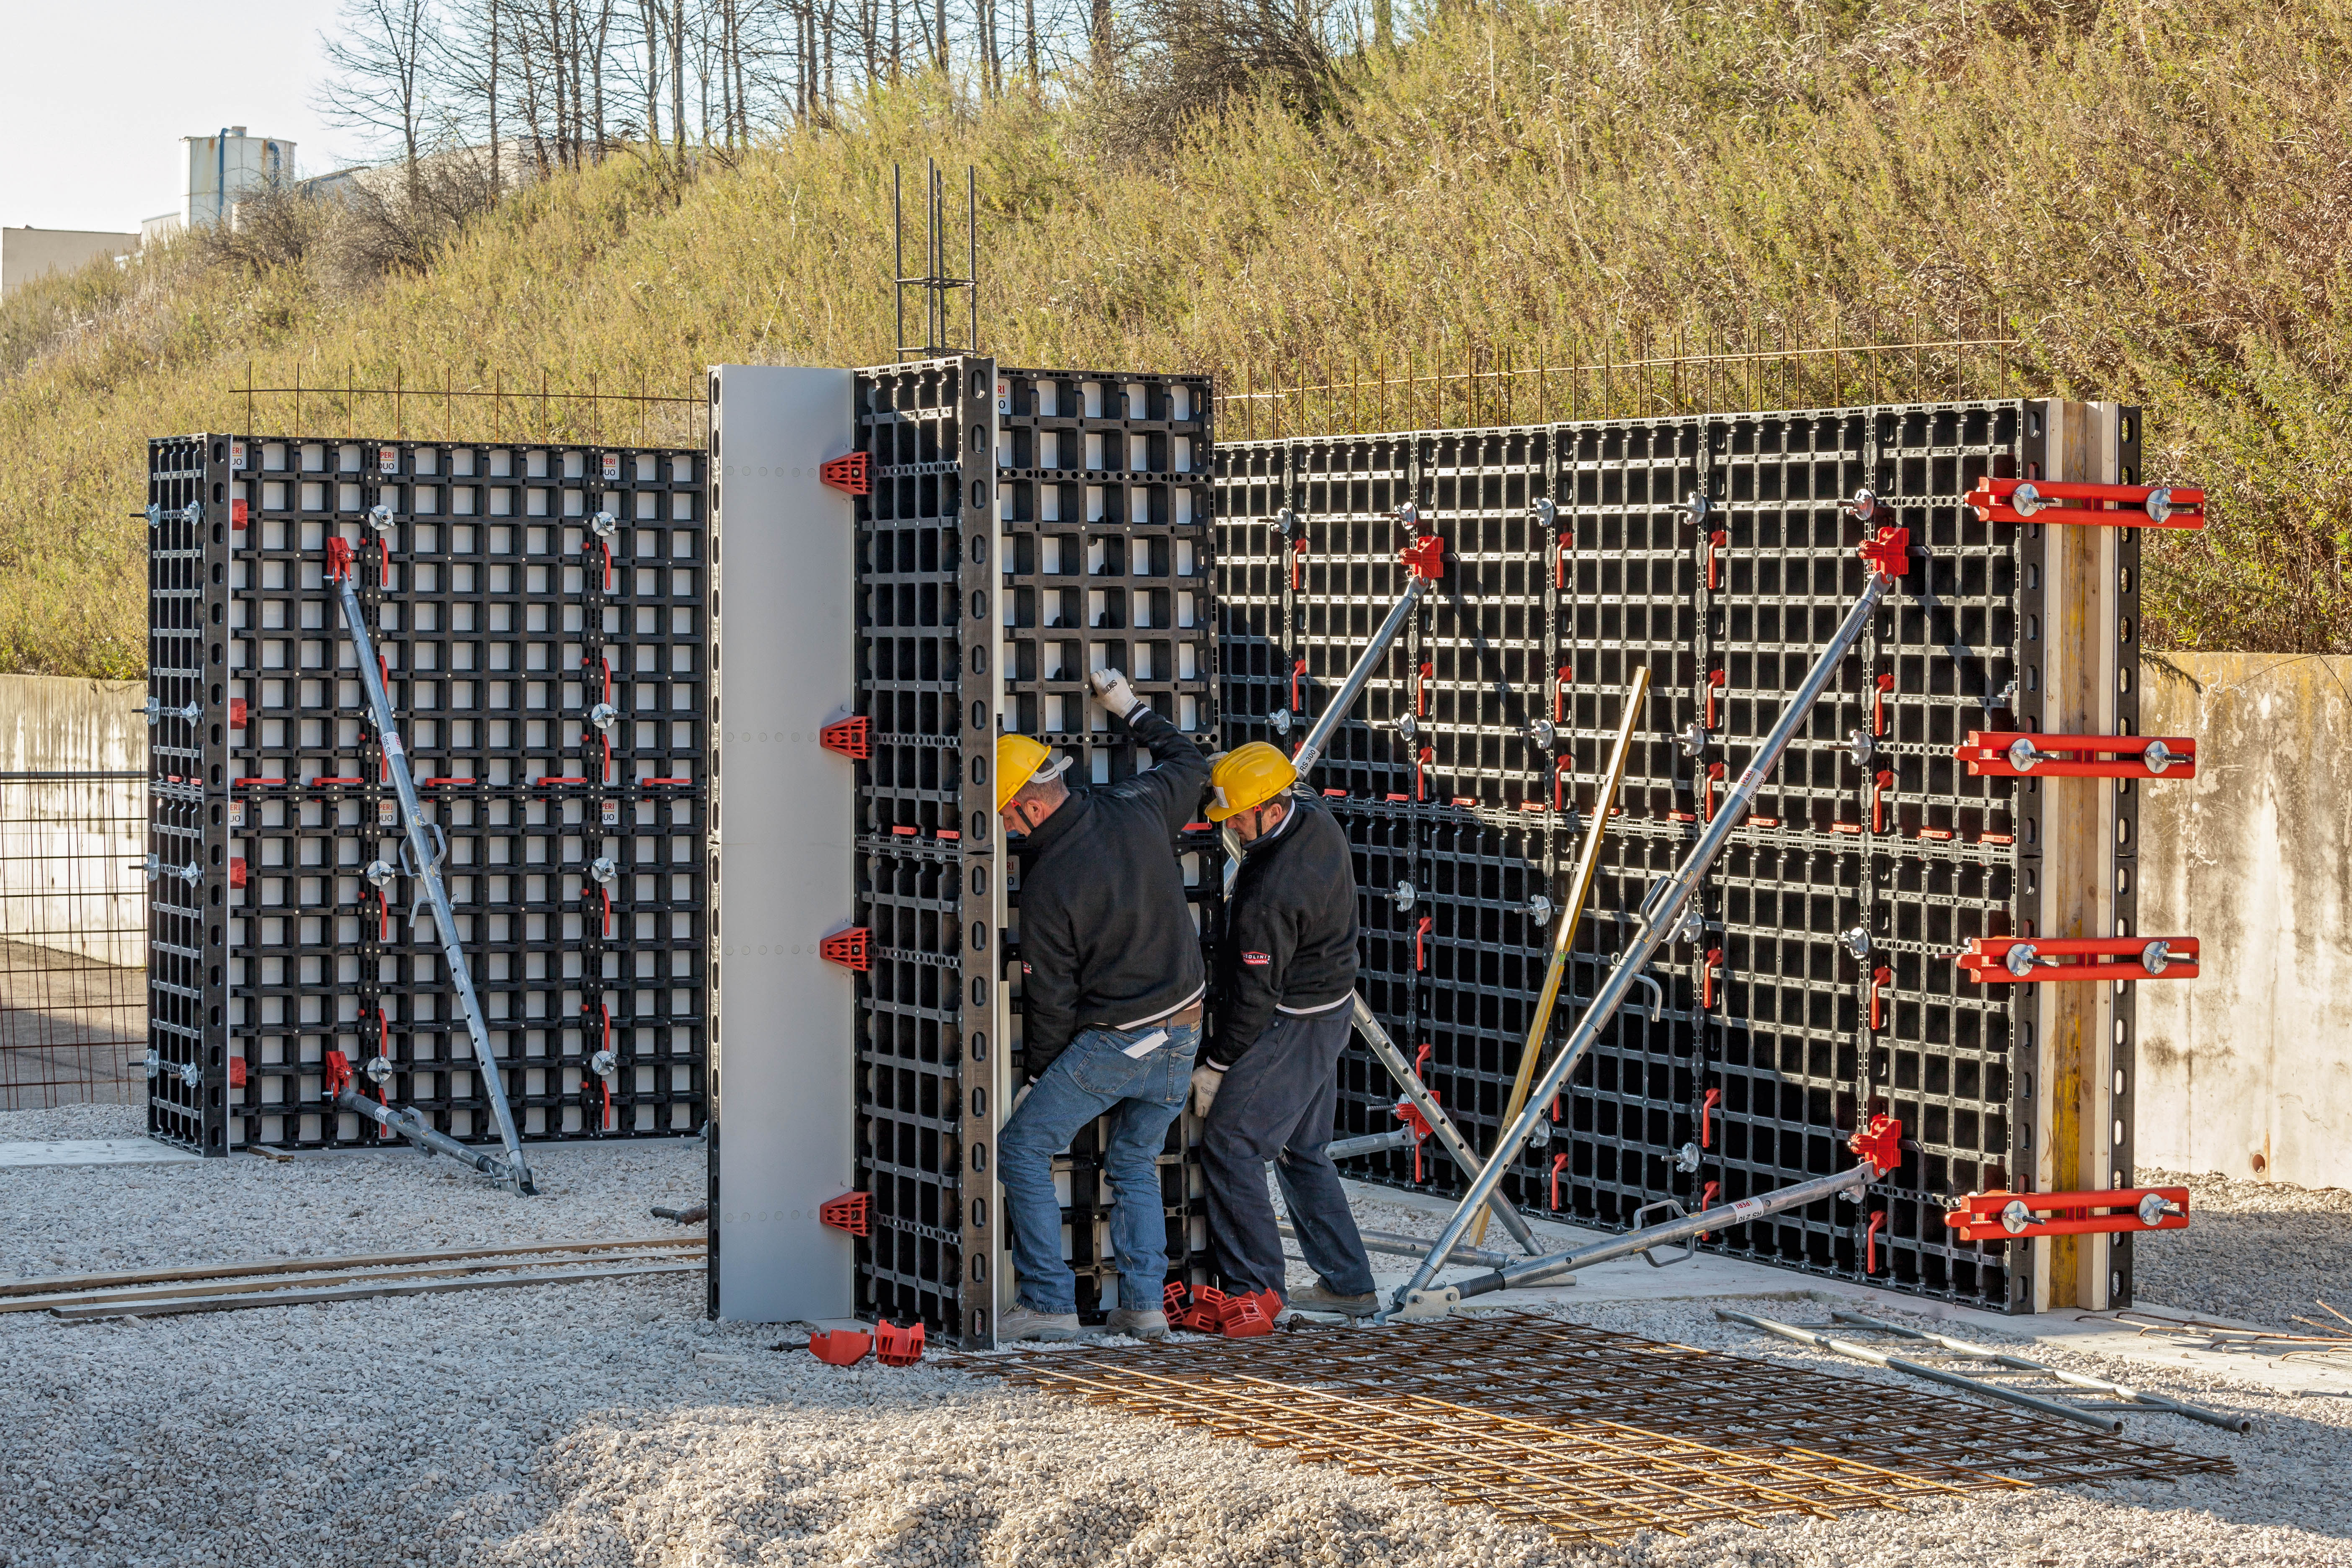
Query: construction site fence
point(73, 938)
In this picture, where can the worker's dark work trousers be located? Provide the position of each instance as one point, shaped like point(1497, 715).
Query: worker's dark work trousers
point(1276, 1103)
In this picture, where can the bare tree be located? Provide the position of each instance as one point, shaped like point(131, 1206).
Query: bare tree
point(380, 51)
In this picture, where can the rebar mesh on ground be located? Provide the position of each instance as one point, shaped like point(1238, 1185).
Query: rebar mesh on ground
point(1591, 1434)
point(73, 938)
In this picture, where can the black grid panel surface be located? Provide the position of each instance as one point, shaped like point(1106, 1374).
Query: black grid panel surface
point(537, 611)
point(1719, 551)
point(1100, 488)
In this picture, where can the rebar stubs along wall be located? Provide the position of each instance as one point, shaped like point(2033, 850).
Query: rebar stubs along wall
point(1094, 553)
point(538, 614)
point(1719, 551)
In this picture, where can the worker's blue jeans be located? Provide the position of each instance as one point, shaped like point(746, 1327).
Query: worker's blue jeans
point(1143, 1094)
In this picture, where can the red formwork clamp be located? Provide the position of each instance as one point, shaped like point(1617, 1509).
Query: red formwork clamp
point(338, 558)
point(1880, 979)
point(1878, 788)
point(1888, 552)
point(895, 1346)
point(851, 1212)
point(1714, 772)
point(2012, 960)
point(1562, 772)
point(1425, 557)
point(1707, 979)
point(1559, 1163)
point(1714, 685)
point(335, 1073)
point(2113, 506)
point(1421, 692)
point(1706, 1201)
point(1869, 1241)
point(1421, 760)
point(840, 1347)
point(853, 738)
point(851, 475)
point(1882, 687)
point(2016, 1216)
point(1706, 1118)
point(1560, 694)
point(847, 948)
point(1298, 669)
point(2014, 755)
point(1880, 1143)
point(1298, 564)
point(1717, 543)
point(1420, 936)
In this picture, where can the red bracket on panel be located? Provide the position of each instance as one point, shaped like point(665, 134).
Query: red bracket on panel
point(1880, 1143)
point(1714, 685)
point(1878, 788)
point(1298, 669)
point(335, 1073)
point(1885, 685)
point(338, 558)
point(1419, 933)
point(2009, 754)
point(851, 475)
point(1714, 772)
point(850, 1212)
point(1707, 979)
point(1425, 557)
point(1706, 1118)
point(1717, 543)
point(847, 948)
point(1559, 1163)
point(853, 738)
point(2020, 1217)
point(1889, 552)
point(1298, 564)
point(236, 871)
point(1421, 760)
point(2114, 506)
point(2010, 960)
point(1869, 1241)
point(1880, 979)
point(1560, 694)
point(237, 514)
point(1421, 695)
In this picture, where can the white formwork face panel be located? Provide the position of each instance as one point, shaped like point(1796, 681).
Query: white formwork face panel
point(782, 1097)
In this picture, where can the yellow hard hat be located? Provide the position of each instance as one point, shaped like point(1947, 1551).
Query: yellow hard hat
point(1019, 760)
point(1246, 776)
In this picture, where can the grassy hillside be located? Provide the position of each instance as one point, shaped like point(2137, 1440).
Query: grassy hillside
point(2153, 197)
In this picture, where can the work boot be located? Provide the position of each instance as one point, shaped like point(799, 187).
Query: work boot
point(1320, 1297)
point(1141, 1322)
point(1020, 1323)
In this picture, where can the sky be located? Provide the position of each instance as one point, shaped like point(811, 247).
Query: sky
point(100, 91)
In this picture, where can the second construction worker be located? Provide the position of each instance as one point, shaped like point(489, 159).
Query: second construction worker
point(1268, 1084)
point(1111, 1001)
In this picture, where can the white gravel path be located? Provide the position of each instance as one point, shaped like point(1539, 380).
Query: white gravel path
point(2255, 1251)
point(608, 1423)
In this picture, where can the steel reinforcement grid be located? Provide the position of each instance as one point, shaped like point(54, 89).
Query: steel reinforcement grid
point(1100, 486)
point(551, 683)
point(73, 938)
point(1719, 551)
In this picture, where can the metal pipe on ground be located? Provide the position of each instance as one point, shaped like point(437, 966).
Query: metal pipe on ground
point(1391, 1242)
point(1853, 1351)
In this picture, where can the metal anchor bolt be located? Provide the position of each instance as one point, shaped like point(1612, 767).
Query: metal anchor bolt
point(1539, 909)
point(1407, 727)
point(604, 871)
point(378, 518)
point(1404, 895)
point(1865, 506)
point(1694, 741)
point(379, 873)
point(2155, 957)
point(1280, 719)
point(2158, 757)
point(1686, 1158)
point(1541, 732)
point(378, 1069)
point(604, 716)
point(1859, 746)
point(1856, 941)
point(604, 525)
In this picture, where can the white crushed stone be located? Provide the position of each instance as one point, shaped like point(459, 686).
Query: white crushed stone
point(66, 1122)
point(608, 1423)
point(2262, 1251)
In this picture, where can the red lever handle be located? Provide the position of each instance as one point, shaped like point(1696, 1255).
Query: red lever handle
point(1706, 1118)
point(1419, 956)
point(1559, 1163)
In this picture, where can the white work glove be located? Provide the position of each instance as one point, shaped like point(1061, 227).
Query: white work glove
point(1019, 1095)
point(1206, 1080)
point(1111, 689)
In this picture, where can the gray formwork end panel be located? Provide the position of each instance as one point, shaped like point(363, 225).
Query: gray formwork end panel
point(781, 806)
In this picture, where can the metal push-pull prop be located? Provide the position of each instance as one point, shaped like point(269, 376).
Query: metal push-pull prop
point(421, 853)
point(1662, 917)
point(1424, 560)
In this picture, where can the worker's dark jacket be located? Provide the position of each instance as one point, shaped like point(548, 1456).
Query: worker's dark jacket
point(1290, 933)
point(1105, 936)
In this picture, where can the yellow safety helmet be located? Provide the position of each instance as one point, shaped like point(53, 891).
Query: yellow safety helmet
point(1246, 776)
point(1020, 760)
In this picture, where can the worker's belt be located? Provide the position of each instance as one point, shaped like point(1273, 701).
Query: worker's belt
point(1183, 1020)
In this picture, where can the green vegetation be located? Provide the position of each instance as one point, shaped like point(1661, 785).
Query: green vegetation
point(2152, 198)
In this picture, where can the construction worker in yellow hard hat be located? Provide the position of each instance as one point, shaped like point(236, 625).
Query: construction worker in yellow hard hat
point(1268, 1084)
point(1111, 987)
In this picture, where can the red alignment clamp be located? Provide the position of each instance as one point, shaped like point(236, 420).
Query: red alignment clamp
point(2002, 1217)
point(1425, 557)
point(853, 738)
point(1706, 1118)
point(2006, 959)
point(847, 948)
point(2012, 754)
point(848, 1212)
point(338, 558)
point(851, 475)
point(1559, 1163)
point(896, 1346)
point(841, 1347)
point(1880, 1143)
point(336, 1073)
point(2117, 506)
point(1869, 1241)
point(1889, 553)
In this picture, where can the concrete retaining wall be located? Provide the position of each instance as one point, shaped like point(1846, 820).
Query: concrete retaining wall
point(69, 848)
point(2247, 1069)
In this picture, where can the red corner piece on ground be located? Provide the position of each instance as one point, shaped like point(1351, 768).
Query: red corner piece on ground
point(1246, 1317)
point(897, 1346)
point(848, 1212)
point(1889, 552)
point(1881, 1143)
point(853, 738)
point(851, 475)
point(847, 948)
point(840, 1347)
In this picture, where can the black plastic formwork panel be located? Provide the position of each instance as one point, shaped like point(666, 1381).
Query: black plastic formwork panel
point(1101, 487)
point(1822, 989)
point(504, 620)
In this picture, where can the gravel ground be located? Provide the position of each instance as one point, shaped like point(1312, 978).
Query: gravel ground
point(608, 1423)
point(2253, 1250)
